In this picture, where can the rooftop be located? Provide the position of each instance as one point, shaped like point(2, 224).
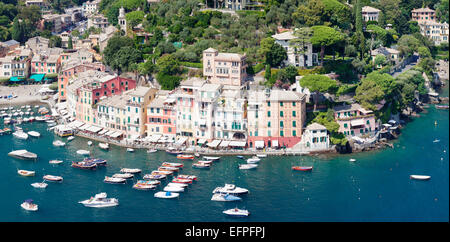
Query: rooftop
point(315, 126)
point(369, 9)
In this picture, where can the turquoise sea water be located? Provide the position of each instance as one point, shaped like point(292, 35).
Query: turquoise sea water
point(374, 188)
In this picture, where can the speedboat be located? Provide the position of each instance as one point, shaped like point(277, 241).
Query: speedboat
point(302, 168)
point(144, 185)
point(70, 138)
point(130, 170)
point(173, 151)
point(123, 175)
point(169, 164)
point(39, 184)
point(212, 158)
point(261, 155)
point(23, 154)
point(153, 177)
point(99, 162)
point(104, 146)
point(436, 140)
point(190, 177)
point(419, 177)
point(152, 151)
point(352, 160)
point(100, 201)
point(173, 189)
point(58, 143)
point(253, 160)
point(26, 173)
point(184, 181)
point(130, 150)
point(225, 197)
point(84, 165)
point(20, 135)
point(167, 195)
point(185, 157)
point(247, 166)
point(209, 162)
point(29, 205)
point(83, 152)
point(200, 165)
point(237, 212)
point(168, 168)
point(55, 162)
point(230, 189)
point(240, 157)
point(34, 134)
point(53, 178)
point(114, 180)
point(89, 143)
point(173, 184)
point(166, 173)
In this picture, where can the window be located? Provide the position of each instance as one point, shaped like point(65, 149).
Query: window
point(345, 125)
point(294, 133)
point(281, 124)
point(281, 114)
point(294, 124)
point(294, 114)
point(281, 133)
point(281, 104)
point(268, 113)
point(293, 104)
point(268, 124)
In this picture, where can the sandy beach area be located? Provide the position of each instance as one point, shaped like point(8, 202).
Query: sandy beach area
point(26, 94)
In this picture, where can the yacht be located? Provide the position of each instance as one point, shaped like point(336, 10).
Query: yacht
point(225, 197)
point(58, 143)
point(100, 201)
point(34, 134)
point(104, 146)
point(29, 205)
point(20, 134)
point(230, 189)
point(23, 154)
point(237, 212)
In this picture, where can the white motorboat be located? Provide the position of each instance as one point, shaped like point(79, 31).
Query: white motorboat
point(114, 180)
point(152, 151)
point(53, 178)
point(55, 162)
point(230, 189)
point(167, 195)
point(212, 158)
point(173, 184)
point(39, 185)
point(34, 134)
point(100, 200)
point(419, 177)
point(166, 173)
point(153, 177)
point(123, 175)
point(247, 166)
point(130, 150)
point(70, 138)
point(58, 143)
point(83, 152)
point(89, 143)
point(20, 134)
point(253, 160)
point(29, 205)
point(173, 189)
point(237, 212)
point(436, 140)
point(208, 162)
point(225, 197)
point(352, 160)
point(23, 154)
point(261, 155)
point(26, 173)
point(104, 146)
point(130, 170)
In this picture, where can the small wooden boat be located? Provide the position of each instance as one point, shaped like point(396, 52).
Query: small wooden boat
point(130, 170)
point(84, 165)
point(419, 177)
point(130, 150)
point(184, 181)
point(123, 175)
point(190, 177)
point(185, 157)
point(209, 162)
point(302, 168)
point(237, 212)
point(166, 173)
point(170, 164)
point(55, 162)
point(144, 185)
point(26, 173)
point(168, 168)
point(174, 152)
point(211, 158)
point(247, 166)
point(153, 177)
point(152, 151)
point(199, 165)
point(114, 180)
point(53, 178)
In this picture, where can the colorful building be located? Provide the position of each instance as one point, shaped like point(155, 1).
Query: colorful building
point(162, 116)
point(136, 106)
point(354, 120)
point(224, 68)
point(423, 14)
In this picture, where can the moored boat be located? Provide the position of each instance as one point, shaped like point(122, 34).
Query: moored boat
point(89, 143)
point(70, 138)
point(114, 180)
point(152, 150)
point(144, 185)
point(174, 151)
point(130, 150)
point(185, 157)
point(34, 134)
point(253, 160)
point(166, 173)
point(168, 168)
point(123, 175)
point(179, 180)
point(225, 197)
point(26, 173)
point(104, 146)
point(237, 212)
point(170, 164)
point(173, 189)
point(55, 162)
point(58, 143)
point(173, 184)
point(230, 189)
point(100, 200)
point(166, 195)
point(190, 177)
point(84, 165)
point(208, 162)
point(247, 166)
point(153, 177)
point(419, 177)
point(23, 154)
point(20, 135)
point(261, 155)
point(39, 185)
point(212, 158)
point(442, 106)
point(53, 178)
point(302, 168)
point(130, 170)
point(199, 165)
point(83, 152)
point(29, 205)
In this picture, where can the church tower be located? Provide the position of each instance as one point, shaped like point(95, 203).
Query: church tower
point(122, 21)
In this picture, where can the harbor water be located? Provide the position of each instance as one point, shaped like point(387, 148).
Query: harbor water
point(376, 187)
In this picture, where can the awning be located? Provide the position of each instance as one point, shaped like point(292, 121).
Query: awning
point(103, 132)
point(237, 143)
point(224, 143)
point(259, 144)
point(17, 79)
point(84, 127)
point(201, 141)
point(154, 138)
point(109, 133)
point(214, 143)
point(116, 134)
point(181, 141)
point(274, 143)
point(76, 124)
point(357, 122)
point(94, 129)
point(37, 77)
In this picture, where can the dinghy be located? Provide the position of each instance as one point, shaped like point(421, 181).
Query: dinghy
point(26, 173)
point(237, 212)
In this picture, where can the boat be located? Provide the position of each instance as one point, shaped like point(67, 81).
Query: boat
point(29, 205)
point(144, 185)
point(39, 185)
point(20, 135)
point(225, 197)
point(89, 143)
point(130, 170)
point(23, 154)
point(84, 165)
point(237, 212)
point(55, 162)
point(123, 175)
point(114, 180)
point(162, 173)
point(174, 184)
point(185, 157)
point(58, 143)
point(230, 189)
point(261, 155)
point(173, 189)
point(34, 134)
point(442, 106)
point(168, 168)
point(212, 158)
point(302, 168)
point(199, 165)
point(26, 173)
point(153, 177)
point(247, 166)
point(130, 150)
point(190, 177)
point(253, 160)
point(99, 162)
point(104, 146)
point(169, 164)
point(419, 177)
point(70, 138)
point(240, 157)
point(83, 152)
point(100, 200)
point(167, 195)
point(352, 160)
point(173, 151)
point(152, 150)
point(436, 140)
point(207, 162)
point(184, 181)
point(197, 154)
point(53, 178)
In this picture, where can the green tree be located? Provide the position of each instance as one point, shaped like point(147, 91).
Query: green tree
point(318, 84)
point(310, 13)
point(302, 40)
point(324, 36)
point(70, 44)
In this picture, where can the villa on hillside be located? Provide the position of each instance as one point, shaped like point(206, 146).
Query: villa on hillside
point(354, 120)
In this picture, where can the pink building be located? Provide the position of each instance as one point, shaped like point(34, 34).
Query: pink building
point(224, 68)
point(161, 116)
point(423, 14)
point(354, 120)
